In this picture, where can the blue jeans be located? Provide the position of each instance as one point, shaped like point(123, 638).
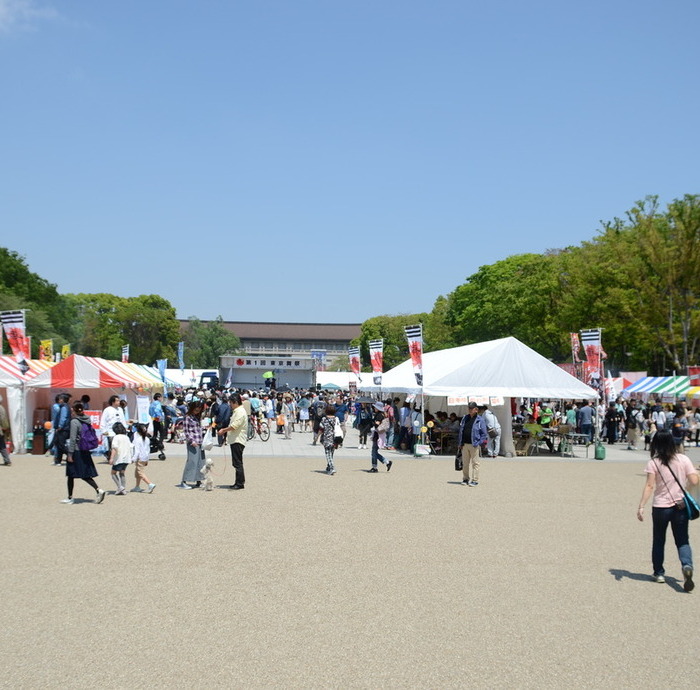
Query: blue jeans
point(377, 456)
point(587, 430)
point(679, 525)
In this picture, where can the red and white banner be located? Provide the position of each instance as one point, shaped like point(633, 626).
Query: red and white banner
point(376, 358)
point(575, 348)
point(354, 357)
point(125, 353)
point(414, 335)
point(593, 347)
point(694, 375)
point(13, 323)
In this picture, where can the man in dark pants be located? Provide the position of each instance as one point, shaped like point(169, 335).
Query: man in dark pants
point(237, 435)
point(62, 428)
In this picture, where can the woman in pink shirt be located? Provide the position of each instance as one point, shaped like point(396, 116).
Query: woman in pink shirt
point(668, 504)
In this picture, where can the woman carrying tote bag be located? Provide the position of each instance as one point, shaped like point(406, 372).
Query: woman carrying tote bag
point(668, 472)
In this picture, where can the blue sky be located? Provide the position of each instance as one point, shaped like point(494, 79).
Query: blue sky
point(331, 160)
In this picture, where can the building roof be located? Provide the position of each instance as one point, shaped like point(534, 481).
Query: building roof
point(255, 330)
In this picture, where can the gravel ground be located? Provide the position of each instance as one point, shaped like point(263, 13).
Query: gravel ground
point(537, 578)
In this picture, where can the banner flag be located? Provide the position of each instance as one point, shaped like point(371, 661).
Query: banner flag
point(694, 375)
point(162, 365)
point(46, 350)
point(125, 353)
point(354, 356)
point(414, 335)
point(592, 346)
point(65, 351)
point(13, 324)
point(575, 348)
point(319, 357)
point(376, 357)
point(181, 355)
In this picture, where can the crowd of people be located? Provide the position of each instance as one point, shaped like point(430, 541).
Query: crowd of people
point(226, 417)
point(620, 421)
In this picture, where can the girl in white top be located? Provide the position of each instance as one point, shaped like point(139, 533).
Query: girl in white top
point(142, 451)
point(121, 456)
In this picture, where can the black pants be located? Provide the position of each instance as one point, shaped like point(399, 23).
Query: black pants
point(237, 462)
point(60, 440)
point(158, 434)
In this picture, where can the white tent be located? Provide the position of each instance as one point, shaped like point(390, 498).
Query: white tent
point(504, 367)
point(501, 369)
point(339, 378)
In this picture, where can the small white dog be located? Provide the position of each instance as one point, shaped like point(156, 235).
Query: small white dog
point(207, 474)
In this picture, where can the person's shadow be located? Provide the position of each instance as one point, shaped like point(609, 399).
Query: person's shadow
point(619, 574)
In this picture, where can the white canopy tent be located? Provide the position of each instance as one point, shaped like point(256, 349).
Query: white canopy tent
point(504, 368)
point(339, 378)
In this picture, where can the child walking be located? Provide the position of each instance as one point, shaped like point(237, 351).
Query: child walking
point(142, 451)
point(122, 455)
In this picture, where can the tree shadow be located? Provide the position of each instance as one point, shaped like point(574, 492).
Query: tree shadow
point(619, 574)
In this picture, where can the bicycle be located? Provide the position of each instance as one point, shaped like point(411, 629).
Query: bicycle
point(256, 426)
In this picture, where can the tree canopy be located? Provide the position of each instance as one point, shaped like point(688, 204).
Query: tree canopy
point(205, 343)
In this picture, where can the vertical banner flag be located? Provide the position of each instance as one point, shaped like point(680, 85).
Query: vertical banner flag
point(694, 375)
point(46, 350)
point(575, 348)
point(592, 345)
point(414, 335)
point(162, 365)
point(181, 355)
point(65, 351)
point(354, 357)
point(376, 357)
point(125, 353)
point(13, 324)
point(319, 357)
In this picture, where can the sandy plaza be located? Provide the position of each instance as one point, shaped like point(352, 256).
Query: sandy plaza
point(538, 577)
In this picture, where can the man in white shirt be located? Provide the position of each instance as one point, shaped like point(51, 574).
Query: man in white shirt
point(493, 446)
point(110, 416)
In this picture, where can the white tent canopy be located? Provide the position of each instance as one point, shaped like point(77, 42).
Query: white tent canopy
point(504, 367)
point(339, 378)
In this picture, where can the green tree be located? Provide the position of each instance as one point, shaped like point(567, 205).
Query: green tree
point(149, 326)
point(97, 331)
point(513, 297)
point(206, 342)
point(391, 329)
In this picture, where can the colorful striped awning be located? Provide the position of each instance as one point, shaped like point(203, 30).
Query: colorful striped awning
point(78, 371)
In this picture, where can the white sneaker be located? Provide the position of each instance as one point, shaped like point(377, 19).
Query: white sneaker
point(100, 496)
point(150, 488)
point(183, 486)
point(137, 490)
point(67, 500)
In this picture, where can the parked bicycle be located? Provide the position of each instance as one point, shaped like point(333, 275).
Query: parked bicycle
point(259, 427)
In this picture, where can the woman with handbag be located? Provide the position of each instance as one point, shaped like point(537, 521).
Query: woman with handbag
point(194, 437)
point(331, 436)
point(668, 472)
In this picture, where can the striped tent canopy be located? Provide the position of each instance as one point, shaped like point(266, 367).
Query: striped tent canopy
point(668, 385)
point(154, 373)
point(10, 375)
point(78, 371)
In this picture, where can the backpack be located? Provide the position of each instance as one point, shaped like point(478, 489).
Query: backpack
point(365, 415)
point(320, 409)
point(88, 438)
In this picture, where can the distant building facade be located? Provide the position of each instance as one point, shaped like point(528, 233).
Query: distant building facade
point(292, 351)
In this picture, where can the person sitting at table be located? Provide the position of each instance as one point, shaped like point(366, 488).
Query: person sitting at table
point(441, 421)
point(537, 432)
